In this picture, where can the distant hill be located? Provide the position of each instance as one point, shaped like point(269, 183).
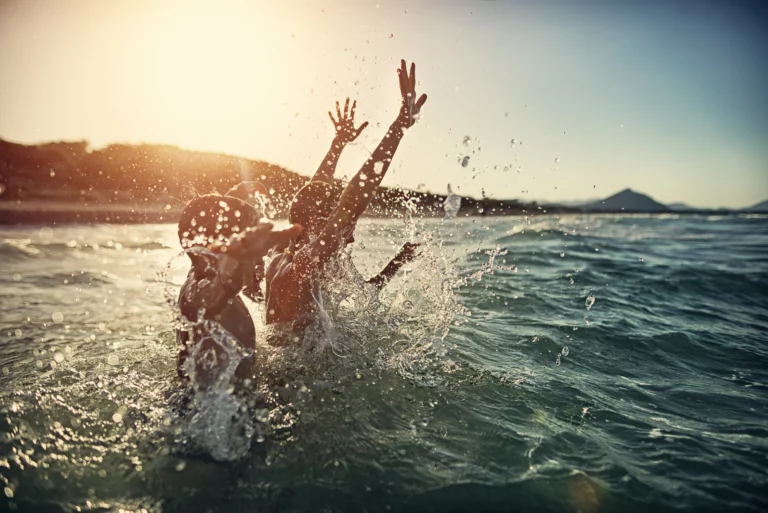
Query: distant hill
point(760, 207)
point(682, 207)
point(626, 201)
point(573, 203)
point(71, 182)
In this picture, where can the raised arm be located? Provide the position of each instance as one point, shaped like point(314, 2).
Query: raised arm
point(361, 189)
point(230, 270)
point(345, 134)
point(406, 254)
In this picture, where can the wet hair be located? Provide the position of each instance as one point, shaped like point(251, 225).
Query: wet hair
point(212, 217)
point(312, 205)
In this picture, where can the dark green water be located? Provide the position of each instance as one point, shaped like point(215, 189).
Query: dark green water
point(480, 381)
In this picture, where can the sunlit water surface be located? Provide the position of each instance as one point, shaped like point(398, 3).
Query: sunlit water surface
point(582, 363)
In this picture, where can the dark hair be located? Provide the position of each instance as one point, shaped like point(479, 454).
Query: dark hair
point(313, 204)
point(212, 217)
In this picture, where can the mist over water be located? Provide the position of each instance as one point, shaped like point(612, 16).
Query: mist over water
point(582, 363)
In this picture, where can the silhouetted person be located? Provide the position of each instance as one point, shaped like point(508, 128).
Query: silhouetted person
point(293, 277)
point(318, 198)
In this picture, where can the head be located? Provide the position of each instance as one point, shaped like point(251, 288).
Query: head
point(312, 206)
point(213, 218)
point(254, 193)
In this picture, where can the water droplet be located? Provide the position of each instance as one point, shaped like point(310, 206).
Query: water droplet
point(57, 317)
point(58, 357)
point(113, 359)
point(18, 333)
point(590, 301)
point(9, 492)
point(181, 466)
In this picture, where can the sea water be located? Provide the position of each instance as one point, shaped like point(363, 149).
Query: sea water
point(574, 363)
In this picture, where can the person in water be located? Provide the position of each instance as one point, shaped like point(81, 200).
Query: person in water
point(318, 198)
point(226, 243)
point(294, 275)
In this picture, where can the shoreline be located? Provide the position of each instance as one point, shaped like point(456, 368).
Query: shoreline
point(14, 214)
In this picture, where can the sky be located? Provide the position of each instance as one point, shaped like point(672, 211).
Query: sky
point(669, 98)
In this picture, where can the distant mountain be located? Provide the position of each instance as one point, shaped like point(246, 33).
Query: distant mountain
point(682, 207)
point(571, 203)
point(760, 207)
point(627, 201)
point(62, 182)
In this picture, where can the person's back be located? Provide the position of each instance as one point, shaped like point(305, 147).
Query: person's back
point(293, 276)
point(295, 305)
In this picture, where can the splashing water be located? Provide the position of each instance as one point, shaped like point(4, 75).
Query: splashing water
point(451, 204)
point(219, 421)
point(400, 332)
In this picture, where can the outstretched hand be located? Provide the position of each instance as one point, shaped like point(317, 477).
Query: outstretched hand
point(345, 124)
point(256, 241)
point(410, 107)
point(408, 252)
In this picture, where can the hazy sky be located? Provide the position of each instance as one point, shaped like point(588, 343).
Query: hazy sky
point(667, 97)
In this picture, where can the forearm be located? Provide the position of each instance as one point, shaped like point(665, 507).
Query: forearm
point(327, 167)
point(386, 274)
point(359, 193)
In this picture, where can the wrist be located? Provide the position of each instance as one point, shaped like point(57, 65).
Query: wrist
point(399, 127)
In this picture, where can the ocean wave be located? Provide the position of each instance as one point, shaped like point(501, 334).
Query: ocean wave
point(59, 279)
point(24, 249)
point(635, 401)
point(18, 249)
